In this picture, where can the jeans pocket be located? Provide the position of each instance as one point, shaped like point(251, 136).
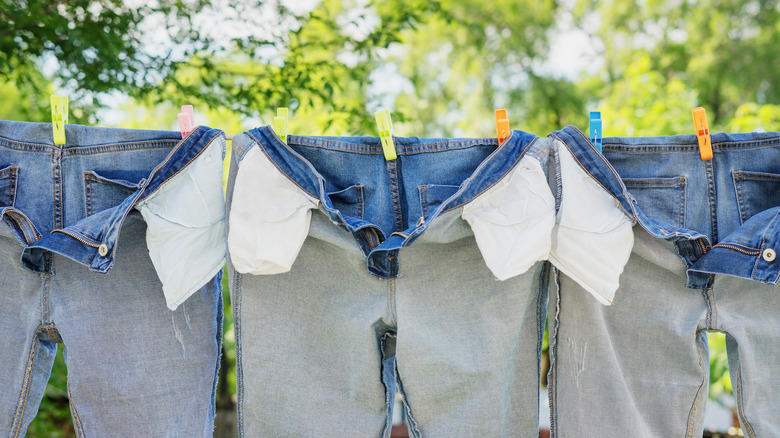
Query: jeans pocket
point(513, 220)
point(8, 177)
point(185, 220)
point(269, 217)
point(104, 190)
point(756, 192)
point(660, 198)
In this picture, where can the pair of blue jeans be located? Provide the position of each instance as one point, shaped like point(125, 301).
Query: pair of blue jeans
point(703, 260)
point(88, 242)
point(351, 274)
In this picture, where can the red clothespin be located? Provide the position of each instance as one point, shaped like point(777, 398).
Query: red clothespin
point(702, 133)
point(502, 125)
point(186, 120)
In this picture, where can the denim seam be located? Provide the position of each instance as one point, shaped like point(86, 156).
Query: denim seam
point(499, 179)
point(614, 145)
point(78, 428)
point(22, 229)
point(744, 175)
point(740, 399)
point(395, 193)
point(239, 356)
point(26, 383)
point(361, 202)
point(12, 172)
point(48, 149)
point(552, 375)
point(541, 307)
point(391, 299)
point(290, 178)
point(57, 198)
point(740, 199)
point(402, 149)
point(167, 159)
point(591, 175)
point(423, 193)
point(697, 401)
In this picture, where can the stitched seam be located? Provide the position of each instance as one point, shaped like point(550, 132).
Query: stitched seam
point(147, 195)
point(26, 386)
point(692, 417)
point(423, 192)
point(392, 299)
point(76, 419)
point(360, 200)
point(21, 228)
point(585, 168)
point(500, 178)
point(738, 394)
point(239, 356)
point(296, 155)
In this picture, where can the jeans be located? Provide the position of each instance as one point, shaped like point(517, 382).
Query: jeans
point(343, 264)
point(80, 264)
point(702, 260)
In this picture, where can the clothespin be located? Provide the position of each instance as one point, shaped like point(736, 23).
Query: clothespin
point(502, 125)
point(385, 125)
point(280, 124)
point(702, 133)
point(59, 117)
point(186, 120)
point(594, 129)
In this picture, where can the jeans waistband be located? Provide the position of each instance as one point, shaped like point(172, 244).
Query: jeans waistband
point(708, 208)
point(387, 205)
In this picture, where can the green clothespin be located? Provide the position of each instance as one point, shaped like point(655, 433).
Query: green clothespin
point(385, 125)
point(280, 123)
point(59, 117)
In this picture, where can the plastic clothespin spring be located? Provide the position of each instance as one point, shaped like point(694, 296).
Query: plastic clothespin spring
point(595, 129)
point(59, 117)
point(385, 124)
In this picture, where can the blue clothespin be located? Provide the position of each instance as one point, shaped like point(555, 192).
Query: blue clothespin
point(594, 129)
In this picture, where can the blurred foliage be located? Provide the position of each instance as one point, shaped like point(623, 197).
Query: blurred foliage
point(440, 66)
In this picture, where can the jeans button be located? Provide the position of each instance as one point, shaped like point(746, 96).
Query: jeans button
point(769, 254)
point(103, 250)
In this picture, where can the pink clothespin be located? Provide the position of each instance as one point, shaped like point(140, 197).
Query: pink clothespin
point(186, 120)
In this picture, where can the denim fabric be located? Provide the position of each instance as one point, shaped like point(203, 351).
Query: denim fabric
point(388, 250)
point(134, 366)
point(700, 263)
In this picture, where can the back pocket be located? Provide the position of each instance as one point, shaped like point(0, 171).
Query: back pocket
point(662, 199)
point(756, 192)
point(105, 190)
point(8, 177)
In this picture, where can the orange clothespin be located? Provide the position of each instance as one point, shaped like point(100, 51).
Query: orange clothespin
point(702, 133)
point(502, 125)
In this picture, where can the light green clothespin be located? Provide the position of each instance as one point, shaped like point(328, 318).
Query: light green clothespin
point(280, 123)
point(385, 125)
point(59, 117)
